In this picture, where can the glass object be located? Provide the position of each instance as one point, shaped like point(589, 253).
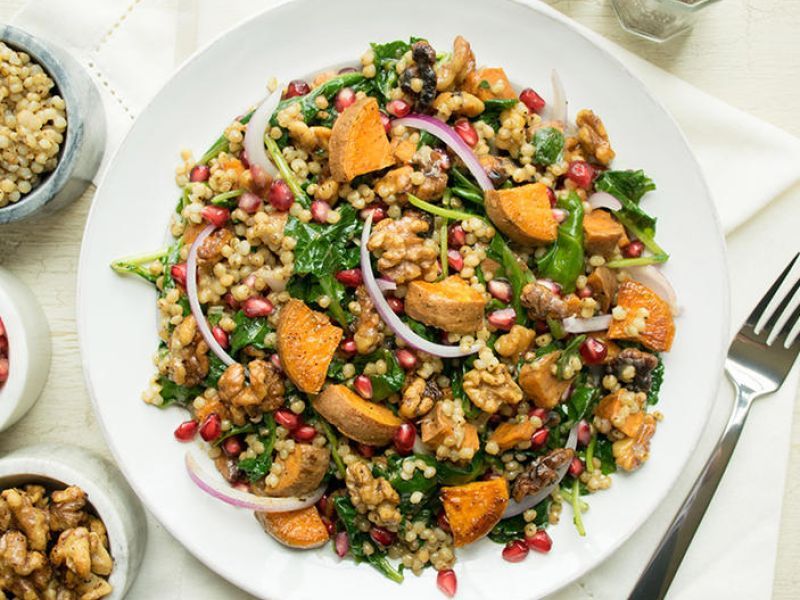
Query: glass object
point(658, 20)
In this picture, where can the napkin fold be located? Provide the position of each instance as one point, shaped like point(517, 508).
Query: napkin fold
point(131, 48)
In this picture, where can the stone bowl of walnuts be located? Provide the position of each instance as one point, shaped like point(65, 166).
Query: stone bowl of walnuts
point(70, 526)
point(52, 126)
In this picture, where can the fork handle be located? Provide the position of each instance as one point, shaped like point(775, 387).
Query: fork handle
point(660, 571)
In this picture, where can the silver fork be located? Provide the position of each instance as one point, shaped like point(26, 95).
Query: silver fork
point(757, 366)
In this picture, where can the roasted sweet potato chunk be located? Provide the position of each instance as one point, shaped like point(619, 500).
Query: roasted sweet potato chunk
point(436, 426)
point(306, 344)
point(450, 304)
point(659, 330)
point(474, 508)
point(303, 471)
point(358, 419)
point(610, 408)
point(539, 383)
point(483, 83)
point(297, 529)
point(508, 435)
point(602, 233)
point(358, 142)
point(523, 214)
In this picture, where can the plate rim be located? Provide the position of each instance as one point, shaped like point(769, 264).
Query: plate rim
point(599, 43)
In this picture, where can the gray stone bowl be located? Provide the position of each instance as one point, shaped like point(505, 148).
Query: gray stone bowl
point(82, 149)
point(57, 466)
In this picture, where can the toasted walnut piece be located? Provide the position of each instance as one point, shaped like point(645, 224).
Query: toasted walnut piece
point(433, 164)
point(264, 393)
point(97, 527)
point(368, 335)
point(490, 388)
point(210, 250)
point(543, 303)
point(452, 72)
point(403, 255)
point(73, 550)
point(101, 559)
point(593, 137)
point(631, 452)
point(457, 103)
point(37, 495)
point(642, 362)
point(34, 522)
point(91, 588)
point(14, 555)
point(542, 472)
point(373, 496)
point(66, 508)
point(515, 342)
point(419, 398)
point(6, 517)
point(188, 364)
point(231, 382)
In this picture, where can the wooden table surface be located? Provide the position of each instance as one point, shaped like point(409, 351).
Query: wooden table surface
point(745, 52)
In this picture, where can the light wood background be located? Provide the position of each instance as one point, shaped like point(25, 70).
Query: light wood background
point(746, 52)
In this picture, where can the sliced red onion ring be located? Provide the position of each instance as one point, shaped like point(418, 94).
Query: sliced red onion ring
point(220, 490)
point(256, 129)
point(515, 508)
point(386, 285)
point(558, 108)
point(604, 200)
point(446, 133)
point(653, 278)
point(194, 302)
point(389, 317)
point(578, 325)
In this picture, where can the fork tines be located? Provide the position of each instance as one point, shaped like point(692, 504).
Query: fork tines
point(777, 315)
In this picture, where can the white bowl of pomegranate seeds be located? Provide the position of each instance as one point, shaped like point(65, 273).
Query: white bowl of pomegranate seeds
point(24, 349)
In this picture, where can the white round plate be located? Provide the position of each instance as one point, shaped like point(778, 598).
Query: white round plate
point(117, 315)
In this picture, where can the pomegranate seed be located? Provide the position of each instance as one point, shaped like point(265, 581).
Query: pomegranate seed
point(585, 292)
point(502, 319)
point(539, 437)
point(532, 100)
point(221, 336)
point(466, 132)
point(287, 419)
point(515, 551)
point(576, 467)
point(442, 521)
point(366, 450)
point(581, 173)
point(231, 301)
point(329, 525)
point(398, 108)
point(396, 304)
point(456, 236)
point(342, 543)
point(500, 289)
point(280, 195)
point(593, 351)
point(633, 250)
point(382, 536)
point(297, 87)
point(540, 541)
point(551, 196)
point(257, 307)
point(211, 427)
point(404, 438)
point(541, 327)
point(363, 386)
point(250, 203)
point(199, 173)
point(276, 362)
point(322, 504)
point(216, 215)
point(406, 359)
point(185, 431)
point(350, 277)
point(320, 210)
point(446, 581)
point(348, 346)
point(304, 433)
point(232, 446)
point(455, 260)
point(378, 213)
point(178, 273)
point(543, 414)
point(386, 121)
point(584, 432)
point(344, 99)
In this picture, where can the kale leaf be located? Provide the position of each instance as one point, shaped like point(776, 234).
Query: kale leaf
point(631, 185)
point(390, 382)
point(511, 269)
point(656, 380)
point(492, 109)
point(257, 467)
point(513, 528)
point(215, 370)
point(173, 393)
point(249, 332)
point(548, 142)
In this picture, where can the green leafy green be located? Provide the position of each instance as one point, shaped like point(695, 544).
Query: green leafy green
point(221, 144)
point(422, 330)
point(248, 332)
point(215, 370)
point(493, 107)
point(173, 393)
point(328, 89)
point(548, 142)
point(391, 381)
point(347, 515)
point(227, 199)
point(657, 379)
point(563, 262)
point(451, 474)
point(457, 385)
point(386, 57)
point(170, 259)
point(333, 443)
point(631, 185)
point(393, 472)
point(578, 506)
point(602, 450)
point(468, 195)
point(465, 182)
point(511, 269)
point(139, 265)
point(571, 349)
point(513, 528)
point(236, 430)
point(257, 467)
point(440, 211)
point(286, 172)
point(582, 399)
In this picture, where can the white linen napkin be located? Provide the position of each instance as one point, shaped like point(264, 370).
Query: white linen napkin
point(132, 47)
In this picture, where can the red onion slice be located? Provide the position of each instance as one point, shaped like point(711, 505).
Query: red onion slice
point(386, 285)
point(515, 508)
point(446, 133)
point(604, 200)
point(194, 302)
point(558, 108)
point(256, 129)
point(391, 319)
point(653, 278)
point(220, 490)
point(578, 325)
